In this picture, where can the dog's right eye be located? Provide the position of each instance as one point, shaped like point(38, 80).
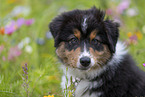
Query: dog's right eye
point(73, 41)
point(95, 41)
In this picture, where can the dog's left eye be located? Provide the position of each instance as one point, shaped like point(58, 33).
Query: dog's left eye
point(73, 41)
point(95, 41)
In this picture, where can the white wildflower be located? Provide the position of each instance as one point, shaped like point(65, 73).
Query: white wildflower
point(28, 49)
point(131, 12)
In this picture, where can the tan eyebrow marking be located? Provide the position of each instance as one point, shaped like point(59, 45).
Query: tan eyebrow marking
point(77, 33)
point(93, 34)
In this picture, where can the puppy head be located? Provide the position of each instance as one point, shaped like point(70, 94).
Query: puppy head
point(83, 39)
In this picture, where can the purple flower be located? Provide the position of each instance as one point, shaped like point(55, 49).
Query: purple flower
point(143, 64)
point(123, 6)
point(26, 67)
point(14, 25)
point(133, 38)
point(13, 52)
point(20, 22)
point(4, 58)
point(24, 70)
point(29, 22)
point(10, 28)
point(25, 79)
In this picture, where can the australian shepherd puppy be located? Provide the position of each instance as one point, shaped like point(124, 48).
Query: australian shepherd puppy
point(87, 44)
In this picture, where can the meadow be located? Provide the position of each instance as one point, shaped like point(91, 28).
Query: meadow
point(28, 64)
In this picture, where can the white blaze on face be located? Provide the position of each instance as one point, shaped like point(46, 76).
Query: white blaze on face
point(85, 53)
point(84, 25)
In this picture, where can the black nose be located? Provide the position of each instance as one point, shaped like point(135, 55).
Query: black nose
point(85, 61)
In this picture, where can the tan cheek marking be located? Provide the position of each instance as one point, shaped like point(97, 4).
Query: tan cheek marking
point(100, 57)
point(77, 33)
point(73, 57)
point(70, 58)
point(60, 51)
point(93, 34)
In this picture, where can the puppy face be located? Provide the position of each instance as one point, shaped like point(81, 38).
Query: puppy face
point(83, 39)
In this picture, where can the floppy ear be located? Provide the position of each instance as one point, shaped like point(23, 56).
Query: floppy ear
point(112, 33)
point(55, 28)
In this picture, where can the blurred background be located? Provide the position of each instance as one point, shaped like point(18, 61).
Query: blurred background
point(28, 65)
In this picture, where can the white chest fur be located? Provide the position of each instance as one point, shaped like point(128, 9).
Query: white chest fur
point(83, 87)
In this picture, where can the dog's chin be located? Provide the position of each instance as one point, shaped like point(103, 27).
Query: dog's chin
point(89, 68)
point(84, 68)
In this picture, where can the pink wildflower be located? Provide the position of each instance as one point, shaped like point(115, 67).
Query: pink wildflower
point(143, 64)
point(109, 11)
point(4, 58)
point(133, 39)
point(13, 52)
point(20, 22)
point(1, 48)
point(9, 29)
point(29, 22)
point(123, 6)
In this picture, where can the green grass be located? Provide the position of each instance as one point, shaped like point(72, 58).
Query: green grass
point(43, 67)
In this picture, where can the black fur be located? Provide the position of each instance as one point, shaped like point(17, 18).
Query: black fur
point(62, 26)
point(127, 80)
